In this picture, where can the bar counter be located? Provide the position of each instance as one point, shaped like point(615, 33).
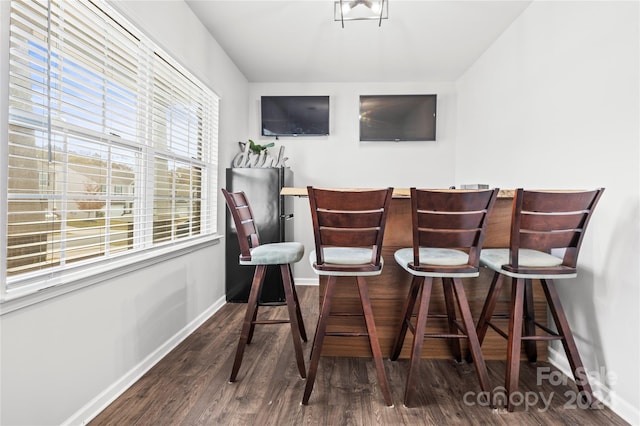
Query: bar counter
point(389, 290)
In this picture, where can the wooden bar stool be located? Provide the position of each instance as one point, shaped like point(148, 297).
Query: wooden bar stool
point(253, 253)
point(348, 227)
point(547, 229)
point(448, 233)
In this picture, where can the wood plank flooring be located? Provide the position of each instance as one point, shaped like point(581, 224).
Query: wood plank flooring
point(190, 386)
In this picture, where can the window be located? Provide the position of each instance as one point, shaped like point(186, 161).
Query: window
point(112, 146)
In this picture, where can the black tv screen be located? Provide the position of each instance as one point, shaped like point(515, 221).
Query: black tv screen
point(295, 115)
point(398, 118)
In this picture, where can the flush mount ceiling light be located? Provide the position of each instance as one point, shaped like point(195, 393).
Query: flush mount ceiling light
point(358, 10)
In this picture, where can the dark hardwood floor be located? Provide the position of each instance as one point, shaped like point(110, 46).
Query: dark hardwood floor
point(190, 386)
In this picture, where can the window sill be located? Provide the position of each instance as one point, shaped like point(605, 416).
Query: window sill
point(75, 279)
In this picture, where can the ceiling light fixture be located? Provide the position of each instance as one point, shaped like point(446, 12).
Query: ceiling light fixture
point(358, 10)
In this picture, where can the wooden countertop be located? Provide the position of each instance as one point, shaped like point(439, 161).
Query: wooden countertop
point(397, 192)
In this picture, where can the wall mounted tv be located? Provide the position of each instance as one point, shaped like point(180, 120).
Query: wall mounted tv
point(295, 115)
point(398, 117)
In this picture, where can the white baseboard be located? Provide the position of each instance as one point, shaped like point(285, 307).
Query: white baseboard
point(106, 397)
point(607, 396)
point(306, 281)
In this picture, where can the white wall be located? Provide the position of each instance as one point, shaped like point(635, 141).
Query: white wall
point(554, 103)
point(340, 160)
point(62, 359)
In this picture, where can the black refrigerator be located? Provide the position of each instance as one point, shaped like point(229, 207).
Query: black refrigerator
point(273, 215)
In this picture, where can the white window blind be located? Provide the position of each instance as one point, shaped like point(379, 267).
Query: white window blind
point(112, 146)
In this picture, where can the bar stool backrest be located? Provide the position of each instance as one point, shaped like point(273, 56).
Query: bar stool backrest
point(242, 215)
point(546, 220)
point(450, 219)
point(351, 219)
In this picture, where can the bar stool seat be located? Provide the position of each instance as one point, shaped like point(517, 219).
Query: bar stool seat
point(275, 254)
point(345, 256)
point(496, 258)
point(433, 256)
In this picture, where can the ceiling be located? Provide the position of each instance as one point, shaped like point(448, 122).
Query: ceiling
point(299, 41)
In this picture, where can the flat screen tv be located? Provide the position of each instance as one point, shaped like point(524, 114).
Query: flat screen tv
point(398, 117)
point(295, 115)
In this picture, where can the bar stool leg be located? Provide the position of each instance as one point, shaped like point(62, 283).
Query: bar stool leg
point(315, 334)
point(529, 322)
point(319, 338)
point(303, 333)
point(253, 323)
point(487, 310)
point(489, 306)
point(373, 339)
point(454, 343)
point(474, 343)
point(570, 348)
point(418, 338)
point(407, 313)
point(249, 319)
point(514, 340)
point(293, 309)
